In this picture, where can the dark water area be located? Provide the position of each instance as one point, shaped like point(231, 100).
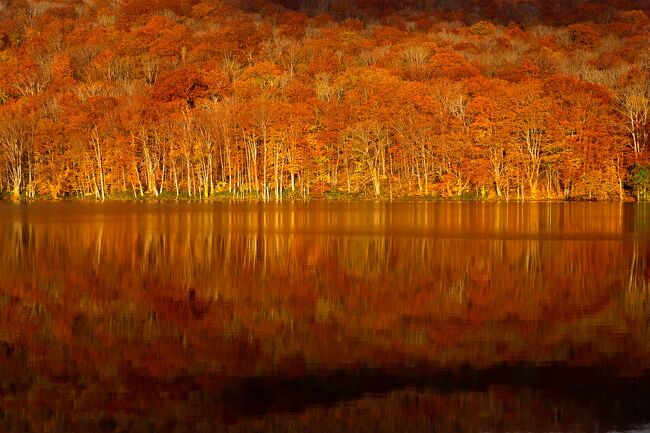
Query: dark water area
point(324, 317)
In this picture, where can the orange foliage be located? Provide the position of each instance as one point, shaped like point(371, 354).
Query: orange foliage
point(463, 103)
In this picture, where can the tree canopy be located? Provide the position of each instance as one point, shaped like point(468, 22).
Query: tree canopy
point(269, 100)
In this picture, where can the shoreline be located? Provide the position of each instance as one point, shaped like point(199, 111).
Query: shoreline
point(231, 199)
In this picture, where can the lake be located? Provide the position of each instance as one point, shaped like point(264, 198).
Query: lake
point(324, 317)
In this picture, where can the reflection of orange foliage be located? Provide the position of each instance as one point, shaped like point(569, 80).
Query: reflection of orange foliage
point(131, 300)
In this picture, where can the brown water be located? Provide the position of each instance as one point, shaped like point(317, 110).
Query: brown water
point(325, 317)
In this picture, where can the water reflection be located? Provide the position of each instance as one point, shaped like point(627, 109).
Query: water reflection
point(294, 317)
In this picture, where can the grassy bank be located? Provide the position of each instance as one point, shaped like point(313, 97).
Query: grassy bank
point(330, 196)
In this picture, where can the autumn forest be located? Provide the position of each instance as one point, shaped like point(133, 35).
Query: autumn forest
point(458, 99)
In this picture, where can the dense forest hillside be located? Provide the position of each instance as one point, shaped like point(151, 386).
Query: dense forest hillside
point(311, 98)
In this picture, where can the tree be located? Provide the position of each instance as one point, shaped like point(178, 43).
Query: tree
point(16, 134)
point(369, 141)
point(533, 132)
point(201, 96)
point(634, 103)
point(640, 181)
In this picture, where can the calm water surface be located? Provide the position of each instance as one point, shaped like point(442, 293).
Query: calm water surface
point(325, 317)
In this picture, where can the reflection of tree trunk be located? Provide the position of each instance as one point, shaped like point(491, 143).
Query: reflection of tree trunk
point(98, 248)
point(633, 266)
point(637, 295)
point(532, 260)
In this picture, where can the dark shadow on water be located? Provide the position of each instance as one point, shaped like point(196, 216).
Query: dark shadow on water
point(616, 402)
